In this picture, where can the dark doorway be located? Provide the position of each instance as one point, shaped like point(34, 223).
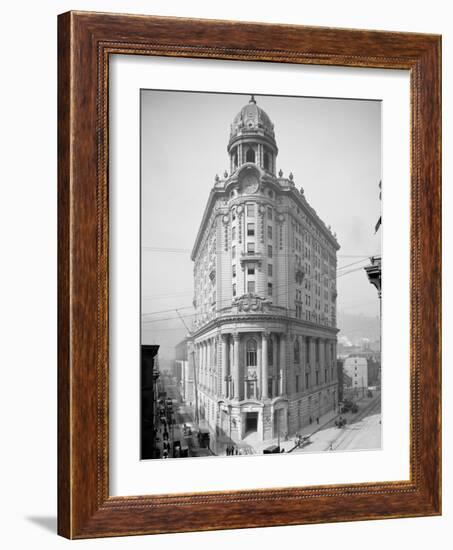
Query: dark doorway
point(251, 422)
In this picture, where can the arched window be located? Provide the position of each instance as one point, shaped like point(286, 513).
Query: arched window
point(266, 161)
point(270, 352)
point(250, 155)
point(251, 353)
point(296, 351)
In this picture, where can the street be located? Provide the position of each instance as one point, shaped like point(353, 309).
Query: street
point(364, 434)
point(362, 431)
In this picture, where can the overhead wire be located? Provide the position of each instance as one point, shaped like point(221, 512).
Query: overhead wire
point(228, 300)
point(276, 287)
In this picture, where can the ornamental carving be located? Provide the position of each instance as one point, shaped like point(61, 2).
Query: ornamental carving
point(250, 303)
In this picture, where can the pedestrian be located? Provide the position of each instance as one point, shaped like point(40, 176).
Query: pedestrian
point(317, 420)
point(228, 450)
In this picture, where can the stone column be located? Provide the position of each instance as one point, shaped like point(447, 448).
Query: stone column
point(334, 360)
point(328, 359)
point(306, 340)
point(282, 364)
point(196, 365)
point(275, 366)
point(201, 351)
point(205, 363)
point(321, 360)
point(236, 381)
point(322, 354)
point(210, 366)
point(224, 371)
point(313, 360)
point(258, 370)
point(265, 368)
point(202, 363)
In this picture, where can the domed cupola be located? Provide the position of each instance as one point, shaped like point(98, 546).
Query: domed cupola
point(252, 138)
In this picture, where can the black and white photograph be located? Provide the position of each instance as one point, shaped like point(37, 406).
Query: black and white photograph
point(261, 234)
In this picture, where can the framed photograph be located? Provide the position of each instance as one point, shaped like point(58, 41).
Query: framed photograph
point(249, 275)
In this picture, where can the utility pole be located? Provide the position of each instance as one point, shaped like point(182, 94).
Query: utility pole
point(197, 419)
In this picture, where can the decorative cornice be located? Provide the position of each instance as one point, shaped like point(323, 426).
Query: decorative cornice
point(256, 317)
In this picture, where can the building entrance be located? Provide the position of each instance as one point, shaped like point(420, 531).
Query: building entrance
point(251, 422)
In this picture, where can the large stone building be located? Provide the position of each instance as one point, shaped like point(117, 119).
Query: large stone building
point(264, 339)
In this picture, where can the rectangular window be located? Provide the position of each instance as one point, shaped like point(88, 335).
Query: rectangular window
point(250, 210)
point(269, 270)
point(269, 213)
point(307, 381)
point(269, 250)
point(251, 270)
point(269, 232)
point(250, 248)
point(317, 377)
point(269, 289)
point(233, 215)
point(234, 270)
point(251, 287)
point(250, 229)
point(234, 290)
point(233, 233)
point(233, 252)
point(297, 383)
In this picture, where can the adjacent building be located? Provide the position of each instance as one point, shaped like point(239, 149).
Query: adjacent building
point(149, 374)
point(356, 369)
point(264, 336)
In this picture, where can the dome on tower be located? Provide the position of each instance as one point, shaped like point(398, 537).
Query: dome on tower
point(251, 119)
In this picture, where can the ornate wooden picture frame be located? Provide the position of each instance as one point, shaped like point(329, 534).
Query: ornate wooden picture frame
point(85, 42)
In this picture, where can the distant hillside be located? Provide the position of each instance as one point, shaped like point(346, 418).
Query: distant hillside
point(357, 326)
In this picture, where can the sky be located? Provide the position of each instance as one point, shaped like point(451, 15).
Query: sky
point(333, 148)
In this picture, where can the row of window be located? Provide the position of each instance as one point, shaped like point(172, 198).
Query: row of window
point(250, 211)
point(251, 348)
point(251, 288)
point(251, 249)
point(250, 156)
point(251, 270)
point(251, 231)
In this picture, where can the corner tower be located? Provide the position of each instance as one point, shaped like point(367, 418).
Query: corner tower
point(252, 139)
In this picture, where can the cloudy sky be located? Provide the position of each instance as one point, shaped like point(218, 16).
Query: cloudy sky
point(333, 148)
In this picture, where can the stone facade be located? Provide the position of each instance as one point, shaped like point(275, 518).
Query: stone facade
point(264, 336)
